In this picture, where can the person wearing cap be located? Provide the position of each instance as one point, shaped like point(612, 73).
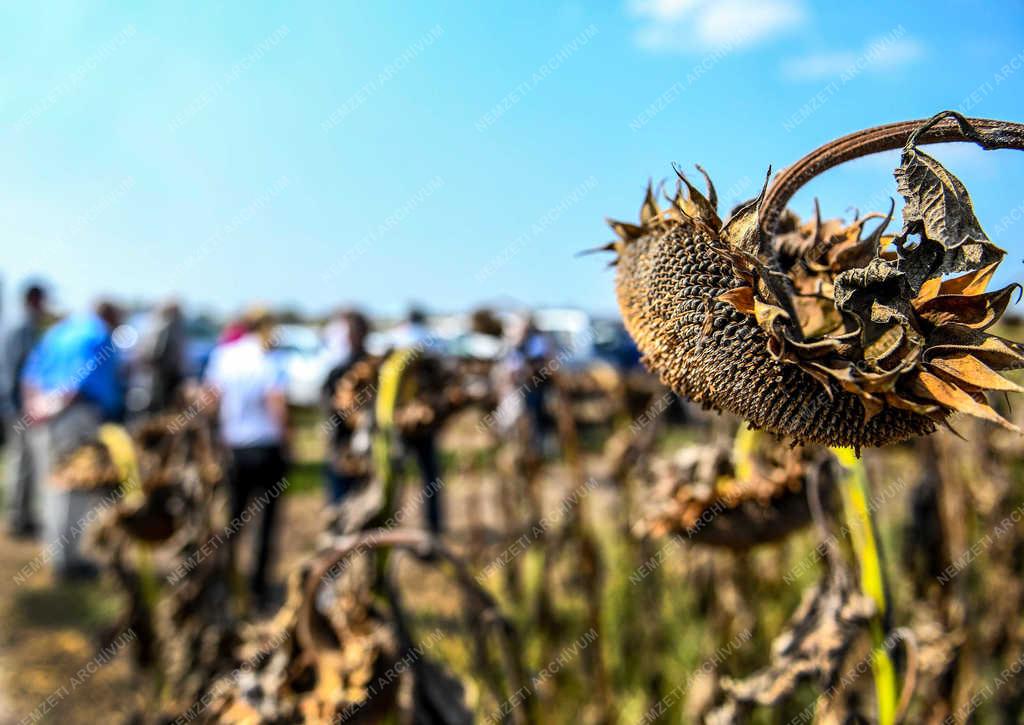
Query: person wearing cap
point(248, 386)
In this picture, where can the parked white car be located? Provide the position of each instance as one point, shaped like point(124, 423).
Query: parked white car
point(306, 361)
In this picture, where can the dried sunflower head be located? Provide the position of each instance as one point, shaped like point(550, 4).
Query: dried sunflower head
point(751, 495)
point(341, 650)
point(821, 331)
point(812, 648)
point(87, 467)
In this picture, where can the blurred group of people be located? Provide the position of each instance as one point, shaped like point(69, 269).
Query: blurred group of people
point(350, 432)
point(412, 353)
point(67, 377)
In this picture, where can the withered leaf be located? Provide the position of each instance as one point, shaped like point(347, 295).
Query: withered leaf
point(767, 315)
point(712, 194)
point(649, 211)
point(930, 387)
point(742, 298)
point(971, 283)
point(994, 351)
point(885, 344)
point(939, 208)
point(624, 231)
point(697, 205)
point(974, 372)
point(743, 230)
point(929, 290)
point(869, 290)
point(919, 408)
point(975, 311)
point(852, 381)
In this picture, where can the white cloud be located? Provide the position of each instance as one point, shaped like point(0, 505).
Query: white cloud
point(879, 54)
point(701, 25)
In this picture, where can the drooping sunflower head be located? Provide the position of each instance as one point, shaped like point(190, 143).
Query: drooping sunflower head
point(753, 494)
point(822, 331)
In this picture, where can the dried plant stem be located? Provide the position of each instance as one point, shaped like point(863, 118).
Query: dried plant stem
point(149, 594)
point(853, 485)
point(590, 564)
point(945, 127)
point(485, 621)
point(391, 378)
point(383, 449)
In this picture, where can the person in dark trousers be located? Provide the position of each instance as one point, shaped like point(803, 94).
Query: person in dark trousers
point(249, 387)
point(531, 352)
point(415, 365)
point(424, 451)
point(340, 478)
point(22, 496)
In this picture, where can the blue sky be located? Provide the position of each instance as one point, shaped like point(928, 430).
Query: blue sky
point(450, 153)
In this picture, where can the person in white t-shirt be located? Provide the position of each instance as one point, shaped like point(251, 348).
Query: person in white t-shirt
point(249, 386)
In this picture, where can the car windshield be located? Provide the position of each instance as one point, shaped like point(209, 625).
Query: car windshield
point(299, 339)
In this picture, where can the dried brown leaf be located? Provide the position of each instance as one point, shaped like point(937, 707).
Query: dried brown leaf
point(976, 311)
point(697, 205)
point(742, 298)
point(768, 315)
point(649, 211)
point(929, 290)
point(972, 283)
point(743, 230)
point(972, 371)
point(931, 387)
point(996, 352)
point(939, 208)
point(624, 231)
point(712, 194)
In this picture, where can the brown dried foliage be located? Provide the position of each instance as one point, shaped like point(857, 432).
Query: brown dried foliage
point(712, 496)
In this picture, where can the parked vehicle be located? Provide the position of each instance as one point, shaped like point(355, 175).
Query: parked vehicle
point(306, 361)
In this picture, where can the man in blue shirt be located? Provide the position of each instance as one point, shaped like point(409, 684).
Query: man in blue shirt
point(77, 361)
point(71, 384)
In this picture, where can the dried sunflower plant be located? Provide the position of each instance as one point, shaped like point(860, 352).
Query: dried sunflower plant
point(822, 332)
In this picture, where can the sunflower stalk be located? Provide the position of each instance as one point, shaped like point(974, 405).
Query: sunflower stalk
point(391, 381)
point(591, 561)
point(857, 510)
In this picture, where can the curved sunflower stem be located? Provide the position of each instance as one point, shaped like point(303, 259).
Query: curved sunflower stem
point(149, 595)
point(853, 486)
point(942, 128)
